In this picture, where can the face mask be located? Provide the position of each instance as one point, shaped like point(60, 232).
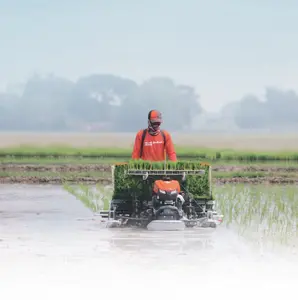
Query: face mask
point(154, 128)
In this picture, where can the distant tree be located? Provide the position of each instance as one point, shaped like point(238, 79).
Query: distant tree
point(282, 106)
point(53, 103)
point(44, 103)
point(98, 98)
point(178, 104)
point(279, 109)
point(251, 113)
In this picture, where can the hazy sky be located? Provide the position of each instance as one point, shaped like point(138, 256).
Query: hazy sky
point(224, 48)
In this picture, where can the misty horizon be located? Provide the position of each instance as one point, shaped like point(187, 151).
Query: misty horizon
point(108, 103)
point(17, 88)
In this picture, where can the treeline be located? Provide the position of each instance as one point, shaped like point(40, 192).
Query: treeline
point(278, 110)
point(112, 103)
point(97, 102)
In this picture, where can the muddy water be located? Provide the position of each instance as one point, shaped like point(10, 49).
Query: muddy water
point(52, 246)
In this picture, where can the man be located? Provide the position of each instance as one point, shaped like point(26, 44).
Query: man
point(152, 143)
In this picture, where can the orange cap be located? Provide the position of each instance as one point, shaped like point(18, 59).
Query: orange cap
point(154, 116)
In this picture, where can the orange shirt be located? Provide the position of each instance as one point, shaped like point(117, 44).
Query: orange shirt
point(153, 147)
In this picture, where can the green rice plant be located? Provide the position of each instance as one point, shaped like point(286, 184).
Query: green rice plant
point(270, 211)
point(129, 186)
point(184, 153)
point(94, 198)
point(105, 194)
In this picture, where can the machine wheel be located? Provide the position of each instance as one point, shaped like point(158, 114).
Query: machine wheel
point(213, 225)
point(209, 214)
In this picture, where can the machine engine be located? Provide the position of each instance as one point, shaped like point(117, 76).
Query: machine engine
point(166, 201)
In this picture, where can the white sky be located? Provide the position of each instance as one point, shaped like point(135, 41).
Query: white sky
point(224, 48)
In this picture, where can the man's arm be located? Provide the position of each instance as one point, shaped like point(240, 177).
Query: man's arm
point(170, 149)
point(137, 147)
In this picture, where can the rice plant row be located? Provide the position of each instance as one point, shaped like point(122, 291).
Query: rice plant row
point(125, 154)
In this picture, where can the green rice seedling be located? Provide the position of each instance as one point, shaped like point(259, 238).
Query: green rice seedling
point(184, 153)
point(82, 193)
point(125, 185)
point(94, 198)
point(269, 210)
point(105, 193)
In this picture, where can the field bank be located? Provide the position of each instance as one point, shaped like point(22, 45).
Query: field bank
point(244, 142)
point(87, 157)
point(60, 171)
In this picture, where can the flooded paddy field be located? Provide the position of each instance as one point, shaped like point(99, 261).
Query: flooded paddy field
point(53, 247)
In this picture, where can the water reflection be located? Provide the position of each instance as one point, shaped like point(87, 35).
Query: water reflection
point(176, 242)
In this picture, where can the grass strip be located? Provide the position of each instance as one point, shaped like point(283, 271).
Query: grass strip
point(110, 161)
point(184, 153)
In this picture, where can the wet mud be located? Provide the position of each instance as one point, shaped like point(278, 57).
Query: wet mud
point(60, 180)
point(52, 180)
point(59, 168)
point(254, 168)
point(257, 180)
point(272, 174)
point(107, 168)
